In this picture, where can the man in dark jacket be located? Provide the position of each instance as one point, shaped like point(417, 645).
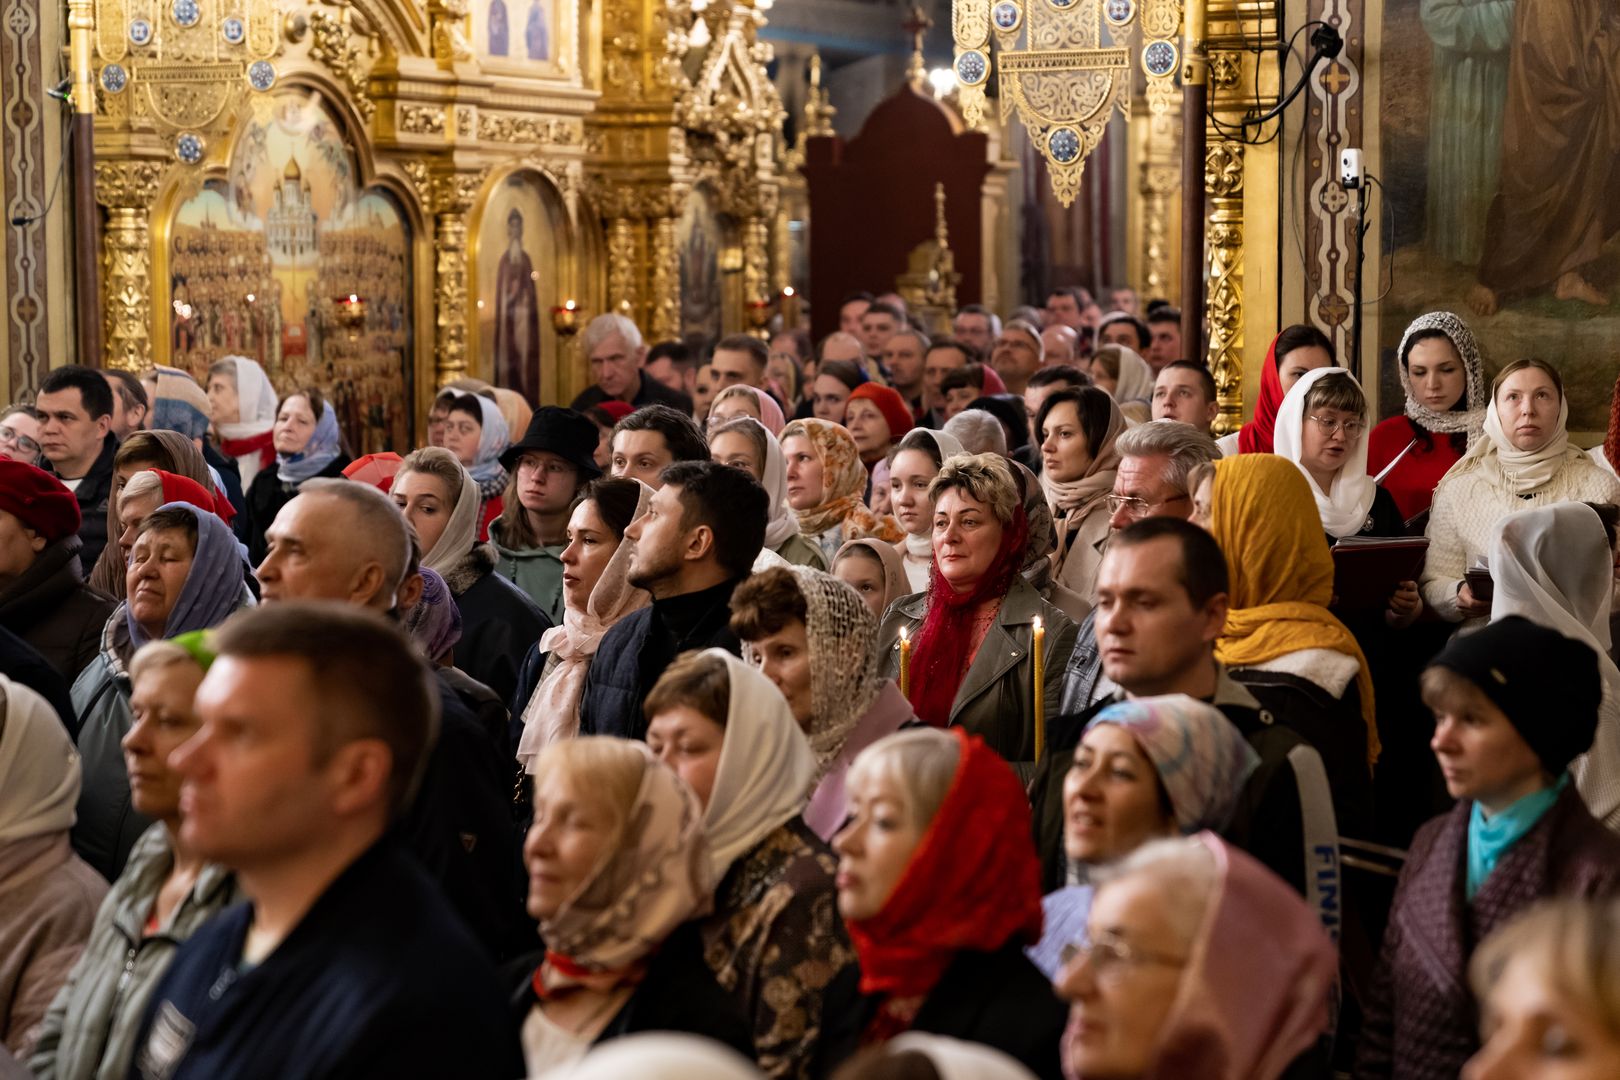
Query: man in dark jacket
point(43, 597)
point(1161, 604)
point(617, 356)
point(76, 438)
point(699, 538)
point(318, 722)
point(353, 546)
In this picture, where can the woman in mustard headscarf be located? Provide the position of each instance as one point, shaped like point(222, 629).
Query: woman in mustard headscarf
point(1279, 633)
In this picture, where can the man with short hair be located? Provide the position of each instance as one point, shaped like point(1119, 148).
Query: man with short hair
point(1067, 304)
point(1164, 324)
point(1060, 344)
point(879, 323)
point(317, 724)
point(739, 360)
point(1123, 298)
point(613, 345)
point(1161, 605)
point(944, 356)
point(850, 310)
point(670, 362)
point(904, 356)
point(1120, 328)
point(1018, 355)
point(130, 403)
point(1046, 382)
point(549, 465)
point(76, 437)
point(1185, 392)
point(651, 439)
point(695, 544)
point(338, 540)
point(1151, 481)
point(976, 325)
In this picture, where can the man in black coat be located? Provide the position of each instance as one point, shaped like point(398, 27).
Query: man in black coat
point(338, 540)
point(699, 538)
point(318, 722)
point(617, 357)
point(77, 440)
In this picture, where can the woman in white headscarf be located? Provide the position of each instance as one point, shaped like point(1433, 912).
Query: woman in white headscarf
point(596, 594)
point(1554, 565)
point(1525, 460)
point(499, 621)
point(48, 895)
point(1128, 379)
point(475, 432)
point(1322, 429)
point(748, 444)
point(242, 405)
point(775, 940)
point(917, 460)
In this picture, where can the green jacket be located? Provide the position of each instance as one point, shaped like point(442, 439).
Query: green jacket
point(801, 552)
point(537, 571)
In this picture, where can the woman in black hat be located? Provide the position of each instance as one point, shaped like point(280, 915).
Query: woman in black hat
point(549, 467)
point(1514, 705)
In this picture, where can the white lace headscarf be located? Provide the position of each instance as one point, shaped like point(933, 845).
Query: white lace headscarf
point(845, 678)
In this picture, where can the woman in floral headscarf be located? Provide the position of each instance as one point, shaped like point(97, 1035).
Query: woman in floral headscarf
point(817, 641)
point(825, 482)
point(618, 869)
point(1443, 378)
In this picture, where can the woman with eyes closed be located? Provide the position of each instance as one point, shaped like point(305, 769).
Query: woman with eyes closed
point(185, 573)
point(498, 620)
point(747, 444)
point(1548, 985)
point(939, 884)
point(1525, 460)
point(307, 444)
point(164, 894)
point(916, 462)
point(1443, 378)
point(743, 400)
point(618, 868)
point(596, 594)
point(774, 941)
point(1145, 769)
point(1079, 428)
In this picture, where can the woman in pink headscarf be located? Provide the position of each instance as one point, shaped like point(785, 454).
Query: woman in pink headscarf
point(742, 400)
point(1198, 961)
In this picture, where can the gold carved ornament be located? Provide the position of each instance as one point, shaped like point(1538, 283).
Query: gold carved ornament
point(1223, 179)
point(1057, 71)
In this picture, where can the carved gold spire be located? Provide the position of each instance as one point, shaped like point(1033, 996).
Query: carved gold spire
point(818, 113)
point(917, 24)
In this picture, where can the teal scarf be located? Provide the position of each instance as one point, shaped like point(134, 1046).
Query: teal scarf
point(1489, 837)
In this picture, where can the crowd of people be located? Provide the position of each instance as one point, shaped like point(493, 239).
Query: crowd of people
point(907, 706)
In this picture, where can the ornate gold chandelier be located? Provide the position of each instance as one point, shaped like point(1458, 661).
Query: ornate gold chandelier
point(1058, 70)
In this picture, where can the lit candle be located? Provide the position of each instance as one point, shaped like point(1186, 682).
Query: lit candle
point(905, 662)
point(790, 308)
point(1040, 688)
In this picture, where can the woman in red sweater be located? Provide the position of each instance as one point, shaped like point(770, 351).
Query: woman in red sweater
point(1444, 380)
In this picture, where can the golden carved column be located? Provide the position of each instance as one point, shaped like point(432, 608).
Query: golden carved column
point(756, 245)
point(665, 287)
point(1223, 180)
point(624, 256)
point(126, 189)
point(452, 197)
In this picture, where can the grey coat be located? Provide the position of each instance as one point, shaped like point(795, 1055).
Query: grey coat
point(107, 825)
point(89, 1032)
point(996, 699)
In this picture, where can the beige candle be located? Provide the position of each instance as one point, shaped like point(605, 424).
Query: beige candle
point(905, 662)
point(1040, 688)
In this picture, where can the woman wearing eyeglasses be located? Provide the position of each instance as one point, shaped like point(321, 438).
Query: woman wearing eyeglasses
point(19, 434)
point(1078, 429)
point(1198, 961)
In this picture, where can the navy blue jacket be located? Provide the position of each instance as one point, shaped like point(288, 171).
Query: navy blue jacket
point(378, 980)
point(635, 652)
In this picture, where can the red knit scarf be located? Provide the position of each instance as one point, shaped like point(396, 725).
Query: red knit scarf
point(1255, 436)
point(260, 444)
point(973, 884)
point(945, 643)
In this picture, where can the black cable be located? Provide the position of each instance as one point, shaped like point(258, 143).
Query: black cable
point(22, 221)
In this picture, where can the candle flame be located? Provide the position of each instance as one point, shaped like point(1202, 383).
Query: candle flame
point(1037, 622)
point(905, 634)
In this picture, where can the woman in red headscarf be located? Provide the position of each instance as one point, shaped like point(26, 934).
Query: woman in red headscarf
point(972, 634)
point(940, 887)
point(1293, 352)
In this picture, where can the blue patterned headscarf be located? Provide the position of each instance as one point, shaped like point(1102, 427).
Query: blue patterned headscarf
point(181, 404)
point(213, 587)
point(321, 450)
point(1201, 757)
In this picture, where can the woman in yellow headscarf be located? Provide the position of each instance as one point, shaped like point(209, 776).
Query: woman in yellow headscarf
point(1279, 632)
